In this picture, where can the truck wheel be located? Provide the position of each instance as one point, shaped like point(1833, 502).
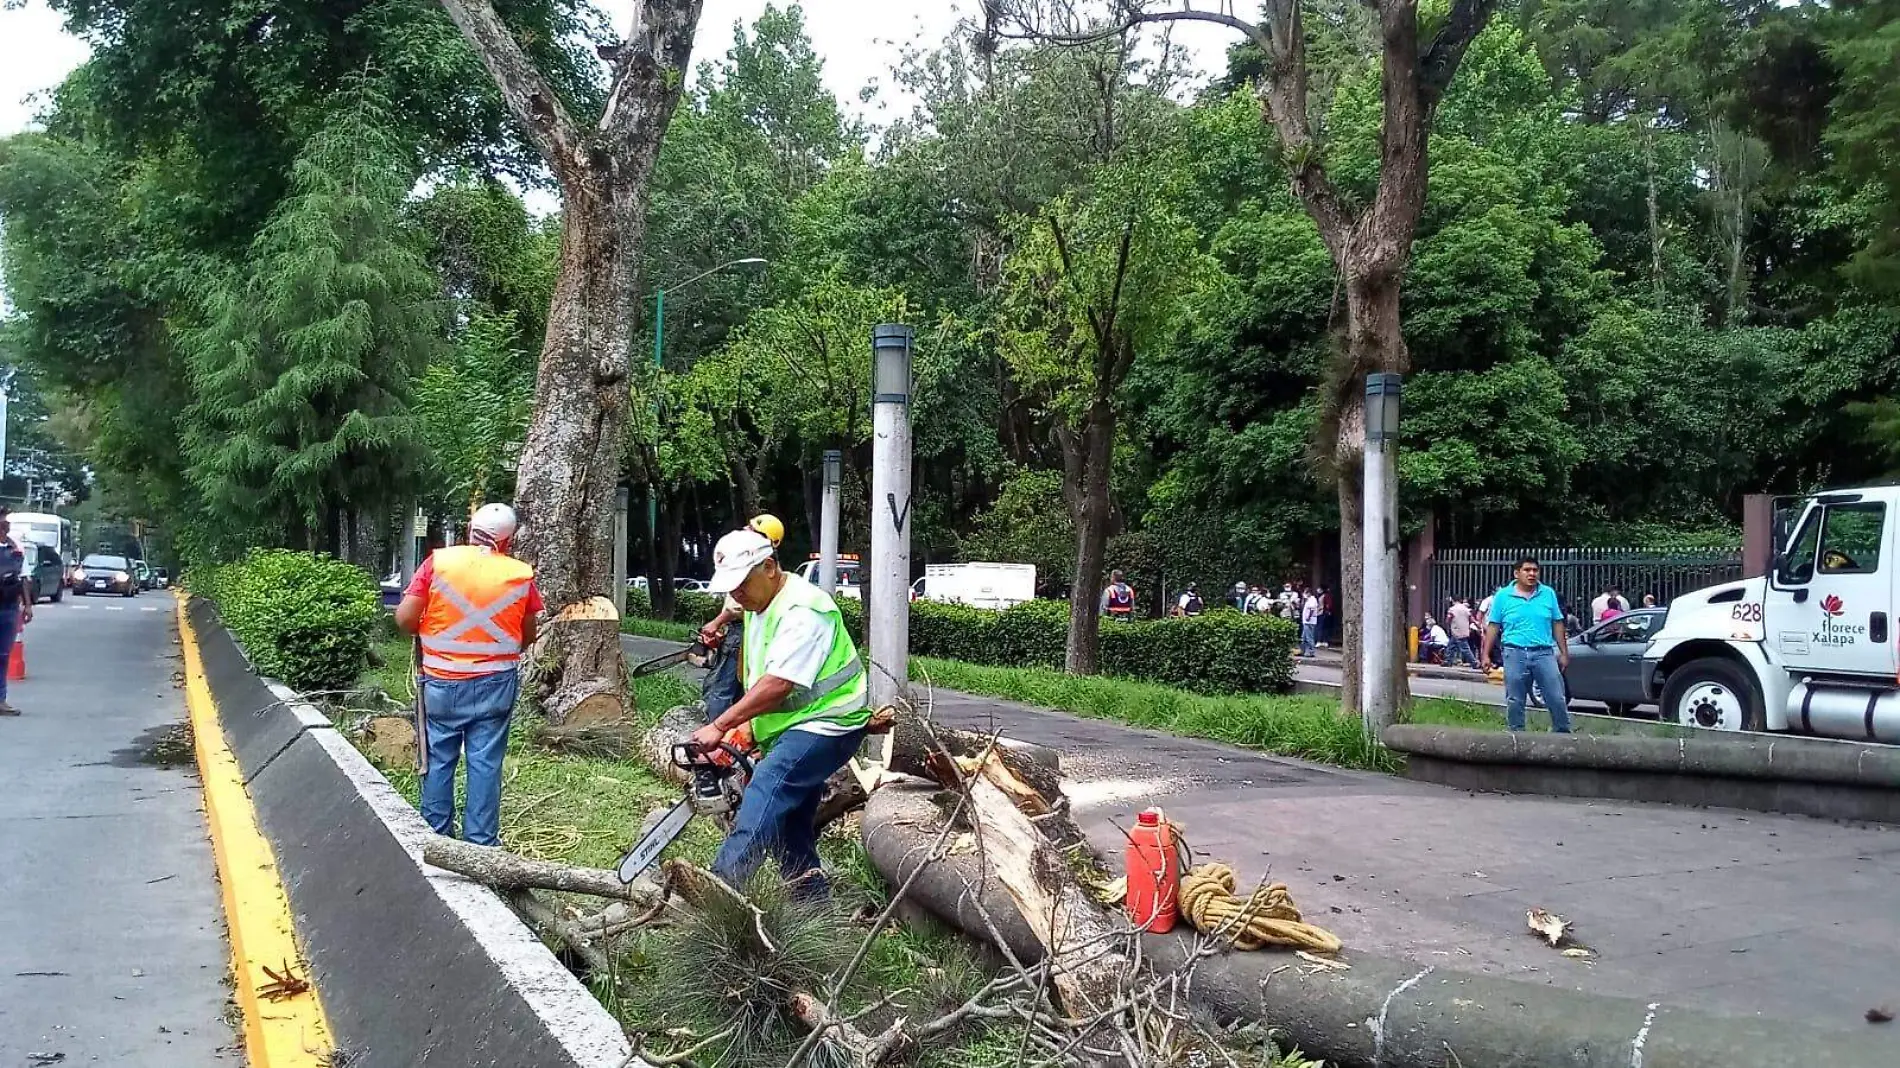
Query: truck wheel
point(1713, 693)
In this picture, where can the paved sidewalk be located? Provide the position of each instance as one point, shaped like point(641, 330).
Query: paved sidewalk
point(112, 945)
point(1778, 917)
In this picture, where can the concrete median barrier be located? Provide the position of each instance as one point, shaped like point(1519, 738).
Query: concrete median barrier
point(414, 966)
point(1380, 1013)
point(1797, 776)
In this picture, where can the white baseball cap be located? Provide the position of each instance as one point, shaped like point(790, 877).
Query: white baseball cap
point(735, 556)
point(497, 520)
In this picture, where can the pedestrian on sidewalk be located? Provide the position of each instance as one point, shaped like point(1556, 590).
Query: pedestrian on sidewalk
point(726, 634)
point(472, 608)
point(1309, 623)
point(1458, 631)
point(1433, 641)
point(1527, 621)
point(16, 602)
point(1189, 604)
point(1238, 597)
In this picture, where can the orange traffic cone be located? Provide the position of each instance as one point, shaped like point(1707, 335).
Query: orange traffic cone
point(16, 661)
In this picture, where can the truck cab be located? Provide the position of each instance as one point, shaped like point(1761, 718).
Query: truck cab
point(1811, 647)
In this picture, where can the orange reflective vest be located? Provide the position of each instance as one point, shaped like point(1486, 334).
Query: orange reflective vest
point(476, 612)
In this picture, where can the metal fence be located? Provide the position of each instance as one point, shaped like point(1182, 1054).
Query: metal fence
point(1578, 575)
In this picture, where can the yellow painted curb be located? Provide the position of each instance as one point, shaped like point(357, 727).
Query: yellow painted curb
point(288, 1032)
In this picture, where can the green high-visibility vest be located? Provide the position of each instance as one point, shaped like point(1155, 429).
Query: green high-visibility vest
point(839, 694)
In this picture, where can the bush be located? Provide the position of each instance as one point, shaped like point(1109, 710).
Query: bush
point(637, 603)
point(306, 619)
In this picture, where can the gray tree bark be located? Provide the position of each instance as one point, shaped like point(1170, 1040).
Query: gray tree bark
point(571, 460)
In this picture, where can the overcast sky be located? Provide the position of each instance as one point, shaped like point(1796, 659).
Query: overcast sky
point(858, 39)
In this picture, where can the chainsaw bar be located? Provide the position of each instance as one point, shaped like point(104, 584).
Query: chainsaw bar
point(654, 842)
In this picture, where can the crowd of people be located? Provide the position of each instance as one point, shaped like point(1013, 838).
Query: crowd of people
point(1454, 637)
point(1313, 609)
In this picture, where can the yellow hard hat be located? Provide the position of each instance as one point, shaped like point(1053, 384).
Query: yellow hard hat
point(767, 524)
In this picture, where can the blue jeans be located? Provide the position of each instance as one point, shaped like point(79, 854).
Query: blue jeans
point(721, 688)
point(1460, 652)
point(1521, 665)
point(467, 715)
point(780, 811)
point(9, 630)
point(1309, 636)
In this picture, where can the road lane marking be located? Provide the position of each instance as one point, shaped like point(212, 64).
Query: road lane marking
point(115, 608)
point(287, 1032)
point(151, 608)
point(81, 607)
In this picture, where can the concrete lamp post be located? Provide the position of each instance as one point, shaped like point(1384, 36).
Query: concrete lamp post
point(828, 521)
point(889, 589)
point(1378, 603)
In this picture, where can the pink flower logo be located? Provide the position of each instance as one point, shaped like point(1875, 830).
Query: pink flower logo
point(1832, 605)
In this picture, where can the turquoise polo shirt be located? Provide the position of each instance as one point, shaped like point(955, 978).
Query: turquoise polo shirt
point(1525, 620)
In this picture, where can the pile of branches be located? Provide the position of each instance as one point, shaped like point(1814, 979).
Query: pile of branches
point(1088, 999)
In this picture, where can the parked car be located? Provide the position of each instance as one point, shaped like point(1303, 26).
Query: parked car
point(391, 589)
point(692, 585)
point(142, 571)
point(104, 573)
point(1606, 661)
point(161, 578)
point(44, 572)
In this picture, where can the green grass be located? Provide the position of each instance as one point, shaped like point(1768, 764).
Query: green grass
point(1308, 727)
point(658, 628)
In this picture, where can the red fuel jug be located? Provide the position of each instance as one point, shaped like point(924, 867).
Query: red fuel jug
point(1154, 873)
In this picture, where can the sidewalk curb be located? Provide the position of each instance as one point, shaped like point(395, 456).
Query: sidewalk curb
point(417, 967)
point(293, 1032)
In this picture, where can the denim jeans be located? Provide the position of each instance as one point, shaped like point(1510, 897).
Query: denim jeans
point(778, 816)
point(9, 630)
point(467, 715)
point(721, 689)
point(1460, 652)
point(1521, 665)
point(1309, 634)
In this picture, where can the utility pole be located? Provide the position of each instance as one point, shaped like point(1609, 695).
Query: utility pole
point(889, 592)
point(828, 522)
point(1380, 598)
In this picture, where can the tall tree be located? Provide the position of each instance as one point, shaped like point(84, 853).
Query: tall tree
point(1370, 242)
point(305, 362)
point(571, 462)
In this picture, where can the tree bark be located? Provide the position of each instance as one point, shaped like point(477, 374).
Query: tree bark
point(1086, 455)
point(570, 462)
point(506, 871)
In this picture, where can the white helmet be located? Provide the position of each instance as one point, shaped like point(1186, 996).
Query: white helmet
point(495, 520)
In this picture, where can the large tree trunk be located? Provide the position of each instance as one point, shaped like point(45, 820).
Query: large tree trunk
point(570, 463)
point(1348, 468)
point(1086, 458)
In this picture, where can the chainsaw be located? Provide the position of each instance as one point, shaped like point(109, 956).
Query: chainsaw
point(714, 788)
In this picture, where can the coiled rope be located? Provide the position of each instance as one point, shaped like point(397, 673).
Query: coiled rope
point(1266, 918)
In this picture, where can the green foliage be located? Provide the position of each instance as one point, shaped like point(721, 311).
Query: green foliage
point(303, 367)
point(302, 617)
point(473, 405)
point(1028, 524)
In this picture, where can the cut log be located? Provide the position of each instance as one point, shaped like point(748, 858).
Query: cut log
point(675, 725)
point(539, 914)
point(505, 871)
point(1080, 940)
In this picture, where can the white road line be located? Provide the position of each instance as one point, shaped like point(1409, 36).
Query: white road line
point(115, 608)
point(81, 607)
point(151, 608)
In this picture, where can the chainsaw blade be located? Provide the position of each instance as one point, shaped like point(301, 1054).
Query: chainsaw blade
point(655, 841)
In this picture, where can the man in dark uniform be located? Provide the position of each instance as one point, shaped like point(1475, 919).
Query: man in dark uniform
point(16, 603)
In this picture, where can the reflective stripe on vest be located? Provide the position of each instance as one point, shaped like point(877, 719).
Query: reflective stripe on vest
point(840, 692)
point(462, 637)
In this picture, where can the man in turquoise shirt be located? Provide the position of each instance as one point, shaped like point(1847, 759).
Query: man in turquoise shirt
point(1527, 620)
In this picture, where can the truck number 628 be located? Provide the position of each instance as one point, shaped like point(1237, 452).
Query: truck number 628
point(1747, 612)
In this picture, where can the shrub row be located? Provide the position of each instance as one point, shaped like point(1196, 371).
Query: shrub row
point(1221, 652)
point(306, 619)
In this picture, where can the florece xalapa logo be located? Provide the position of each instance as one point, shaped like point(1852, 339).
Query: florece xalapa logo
point(1833, 630)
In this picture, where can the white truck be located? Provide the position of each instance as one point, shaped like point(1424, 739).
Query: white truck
point(981, 585)
point(1810, 647)
point(850, 588)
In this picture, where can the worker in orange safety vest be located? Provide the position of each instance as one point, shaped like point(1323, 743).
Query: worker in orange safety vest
point(472, 608)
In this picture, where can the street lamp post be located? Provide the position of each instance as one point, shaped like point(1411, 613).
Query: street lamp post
point(828, 521)
point(659, 360)
point(1378, 609)
point(888, 604)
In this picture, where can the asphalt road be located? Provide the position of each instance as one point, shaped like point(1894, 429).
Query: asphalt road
point(112, 943)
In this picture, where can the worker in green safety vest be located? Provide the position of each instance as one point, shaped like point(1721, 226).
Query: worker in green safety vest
point(805, 697)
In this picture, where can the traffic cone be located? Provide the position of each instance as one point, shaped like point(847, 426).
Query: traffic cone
point(16, 661)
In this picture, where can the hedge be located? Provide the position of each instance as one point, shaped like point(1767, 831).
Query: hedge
point(1221, 652)
point(306, 619)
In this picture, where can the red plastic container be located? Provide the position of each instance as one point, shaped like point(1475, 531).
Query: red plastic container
point(1154, 873)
